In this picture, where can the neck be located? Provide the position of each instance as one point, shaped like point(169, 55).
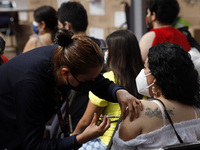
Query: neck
point(160, 97)
point(156, 25)
point(79, 34)
point(45, 32)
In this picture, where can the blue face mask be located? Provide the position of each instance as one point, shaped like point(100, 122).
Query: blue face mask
point(35, 27)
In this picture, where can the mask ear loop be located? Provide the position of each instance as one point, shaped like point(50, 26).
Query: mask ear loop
point(147, 74)
point(40, 31)
point(150, 85)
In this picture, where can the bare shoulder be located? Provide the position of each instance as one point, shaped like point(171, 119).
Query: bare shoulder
point(151, 110)
point(30, 44)
point(136, 126)
point(149, 36)
point(145, 43)
point(33, 39)
point(149, 119)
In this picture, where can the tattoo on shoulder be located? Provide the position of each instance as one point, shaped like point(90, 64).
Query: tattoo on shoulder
point(156, 112)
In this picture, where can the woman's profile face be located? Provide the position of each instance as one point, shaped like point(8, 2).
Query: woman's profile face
point(146, 67)
point(150, 78)
point(90, 76)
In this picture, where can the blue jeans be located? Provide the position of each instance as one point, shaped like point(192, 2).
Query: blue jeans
point(95, 144)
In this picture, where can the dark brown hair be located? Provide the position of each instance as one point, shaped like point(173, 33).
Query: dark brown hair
point(125, 59)
point(79, 53)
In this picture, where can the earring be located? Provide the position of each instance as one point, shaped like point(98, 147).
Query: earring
point(153, 90)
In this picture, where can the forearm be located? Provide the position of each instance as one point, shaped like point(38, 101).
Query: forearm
point(81, 126)
point(106, 89)
point(87, 117)
point(93, 130)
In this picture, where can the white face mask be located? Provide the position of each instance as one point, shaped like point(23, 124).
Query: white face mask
point(141, 82)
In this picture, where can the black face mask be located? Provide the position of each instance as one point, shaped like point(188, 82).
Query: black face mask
point(83, 86)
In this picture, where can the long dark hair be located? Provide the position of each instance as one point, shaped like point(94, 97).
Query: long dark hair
point(49, 15)
point(175, 74)
point(124, 58)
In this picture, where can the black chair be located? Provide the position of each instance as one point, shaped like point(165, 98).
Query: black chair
point(109, 147)
point(183, 146)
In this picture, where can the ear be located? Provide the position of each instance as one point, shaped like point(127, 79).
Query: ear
point(148, 12)
point(43, 24)
point(153, 17)
point(65, 72)
point(68, 25)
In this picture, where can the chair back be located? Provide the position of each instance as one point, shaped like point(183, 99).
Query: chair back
point(7, 4)
point(183, 146)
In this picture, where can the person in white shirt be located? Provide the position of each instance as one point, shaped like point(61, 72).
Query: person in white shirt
point(169, 76)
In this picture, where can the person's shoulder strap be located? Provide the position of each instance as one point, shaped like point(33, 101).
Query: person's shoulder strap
point(162, 112)
point(170, 120)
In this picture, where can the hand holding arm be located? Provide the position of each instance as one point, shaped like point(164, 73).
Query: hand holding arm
point(125, 100)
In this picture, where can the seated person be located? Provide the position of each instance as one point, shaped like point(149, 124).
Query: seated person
point(168, 75)
point(122, 45)
point(44, 26)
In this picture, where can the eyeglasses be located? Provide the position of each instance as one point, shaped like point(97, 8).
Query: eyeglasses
point(82, 82)
point(76, 79)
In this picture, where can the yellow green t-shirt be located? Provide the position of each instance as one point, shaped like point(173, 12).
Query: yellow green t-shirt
point(111, 109)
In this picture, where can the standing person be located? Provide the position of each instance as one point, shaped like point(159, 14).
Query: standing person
point(125, 61)
point(170, 78)
point(35, 84)
point(160, 15)
point(44, 26)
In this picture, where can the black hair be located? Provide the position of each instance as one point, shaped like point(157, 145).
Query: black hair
point(125, 59)
point(49, 15)
point(63, 37)
point(75, 13)
point(166, 10)
point(175, 74)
